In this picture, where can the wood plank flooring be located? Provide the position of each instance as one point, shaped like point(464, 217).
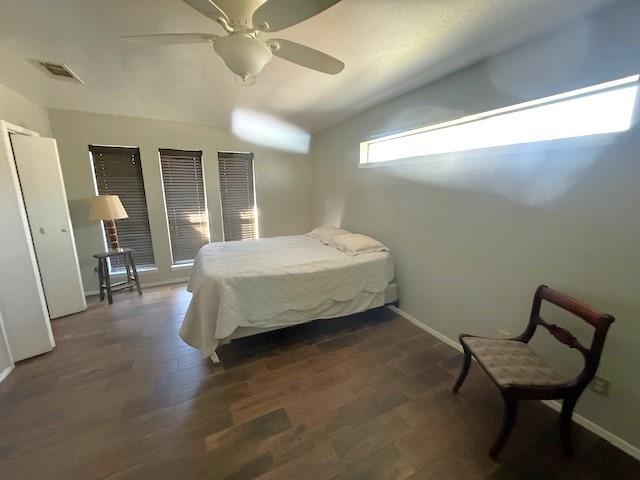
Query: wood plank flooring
point(363, 397)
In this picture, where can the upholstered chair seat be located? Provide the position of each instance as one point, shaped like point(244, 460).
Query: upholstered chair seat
point(510, 362)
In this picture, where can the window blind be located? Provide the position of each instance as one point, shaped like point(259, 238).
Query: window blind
point(184, 198)
point(237, 195)
point(118, 172)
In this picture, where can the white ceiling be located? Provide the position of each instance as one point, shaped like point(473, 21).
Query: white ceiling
point(389, 46)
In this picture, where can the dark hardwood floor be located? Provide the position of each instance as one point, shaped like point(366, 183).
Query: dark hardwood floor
point(363, 397)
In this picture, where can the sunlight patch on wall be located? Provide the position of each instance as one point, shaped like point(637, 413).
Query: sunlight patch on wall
point(262, 129)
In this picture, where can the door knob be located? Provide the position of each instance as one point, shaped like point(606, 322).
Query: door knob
point(64, 230)
point(42, 231)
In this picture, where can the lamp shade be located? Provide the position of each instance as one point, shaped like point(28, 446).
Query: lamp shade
point(107, 207)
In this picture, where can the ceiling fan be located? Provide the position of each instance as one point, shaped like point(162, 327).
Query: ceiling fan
point(243, 20)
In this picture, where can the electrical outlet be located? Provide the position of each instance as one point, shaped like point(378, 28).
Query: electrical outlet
point(504, 334)
point(600, 386)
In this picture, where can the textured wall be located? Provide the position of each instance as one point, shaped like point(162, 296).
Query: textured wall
point(472, 234)
point(21, 111)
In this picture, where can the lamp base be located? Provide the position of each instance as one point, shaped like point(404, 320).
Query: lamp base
point(112, 234)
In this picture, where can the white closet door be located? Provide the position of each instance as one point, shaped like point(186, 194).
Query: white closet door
point(45, 201)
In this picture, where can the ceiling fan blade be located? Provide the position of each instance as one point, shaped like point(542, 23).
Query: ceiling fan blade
point(276, 15)
point(305, 56)
point(208, 8)
point(171, 38)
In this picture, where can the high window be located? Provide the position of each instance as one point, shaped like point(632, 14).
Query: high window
point(237, 195)
point(185, 201)
point(118, 172)
point(603, 108)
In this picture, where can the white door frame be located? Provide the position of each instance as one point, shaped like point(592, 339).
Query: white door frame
point(7, 370)
point(7, 128)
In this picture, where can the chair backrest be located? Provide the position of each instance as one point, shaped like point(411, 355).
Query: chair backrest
point(599, 321)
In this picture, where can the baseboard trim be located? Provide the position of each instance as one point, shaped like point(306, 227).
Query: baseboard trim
point(426, 328)
point(149, 284)
point(612, 438)
point(555, 405)
point(5, 373)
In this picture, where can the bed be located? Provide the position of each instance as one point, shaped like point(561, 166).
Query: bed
point(248, 287)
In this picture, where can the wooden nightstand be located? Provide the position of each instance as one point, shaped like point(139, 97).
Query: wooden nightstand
point(105, 279)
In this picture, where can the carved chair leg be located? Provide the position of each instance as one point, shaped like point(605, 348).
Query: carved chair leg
point(568, 404)
point(511, 409)
point(465, 370)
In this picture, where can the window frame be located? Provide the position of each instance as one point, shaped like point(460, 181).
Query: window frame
point(103, 235)
point(166, 211)
point(256, 212)
point(595, 139)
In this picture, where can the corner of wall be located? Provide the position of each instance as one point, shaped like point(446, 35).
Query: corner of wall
point(24, 112)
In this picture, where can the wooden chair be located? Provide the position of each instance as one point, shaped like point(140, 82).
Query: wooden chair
point(520, 374)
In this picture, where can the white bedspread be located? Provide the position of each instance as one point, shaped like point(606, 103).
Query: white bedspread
point(245, 284)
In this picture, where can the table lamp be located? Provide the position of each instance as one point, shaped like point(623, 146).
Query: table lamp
point(108, 208)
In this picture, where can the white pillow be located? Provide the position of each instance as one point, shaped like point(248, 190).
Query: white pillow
point(326, 233)
point(357, 244)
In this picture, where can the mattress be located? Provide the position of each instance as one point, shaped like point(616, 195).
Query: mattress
point(251, 283)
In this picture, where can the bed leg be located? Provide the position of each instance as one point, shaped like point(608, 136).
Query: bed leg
point(214, 358)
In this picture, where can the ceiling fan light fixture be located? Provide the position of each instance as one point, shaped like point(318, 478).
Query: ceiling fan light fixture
point(244, 55)
point(244, 20)
point(246, 81)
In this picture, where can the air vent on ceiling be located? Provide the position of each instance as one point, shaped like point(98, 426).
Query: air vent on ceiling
point(58, 70)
